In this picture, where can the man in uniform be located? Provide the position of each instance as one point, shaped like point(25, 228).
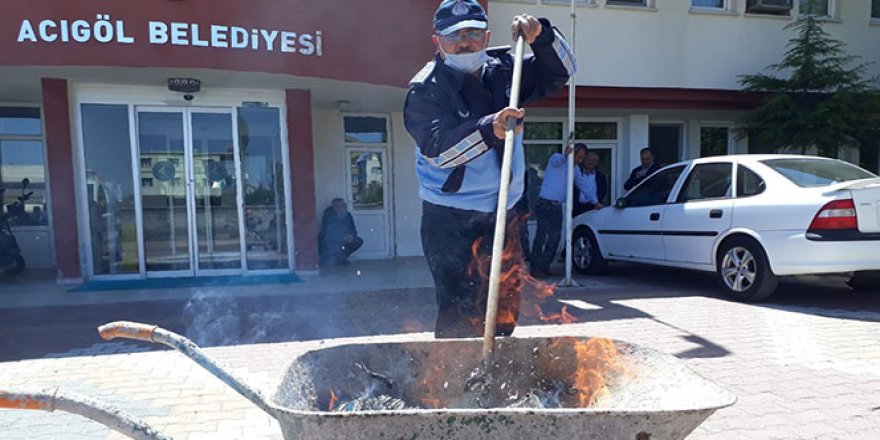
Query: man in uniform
point(456, 110)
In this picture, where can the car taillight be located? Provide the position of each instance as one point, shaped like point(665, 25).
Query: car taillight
point(839, 214)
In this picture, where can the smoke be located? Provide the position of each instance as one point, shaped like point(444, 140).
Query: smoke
point(212, 321)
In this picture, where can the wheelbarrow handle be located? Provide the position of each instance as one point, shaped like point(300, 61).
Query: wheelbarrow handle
point(159, 335)
point(128, 330)
point(53, 399)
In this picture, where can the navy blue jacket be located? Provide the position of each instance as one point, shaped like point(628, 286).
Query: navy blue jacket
point(449, 114)
point(633, 180)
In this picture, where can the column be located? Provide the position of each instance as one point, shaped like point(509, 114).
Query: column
point(59, 167)
point(302, 178)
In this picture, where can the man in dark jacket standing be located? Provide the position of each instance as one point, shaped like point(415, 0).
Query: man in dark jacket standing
point(456, 112)
point(642, 171)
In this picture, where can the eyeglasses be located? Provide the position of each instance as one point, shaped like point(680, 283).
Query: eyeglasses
point(472, 35)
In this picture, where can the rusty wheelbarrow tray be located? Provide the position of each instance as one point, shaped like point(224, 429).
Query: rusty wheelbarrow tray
point(655, 396)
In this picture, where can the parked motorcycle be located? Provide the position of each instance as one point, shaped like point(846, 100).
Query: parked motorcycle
point(11, 261)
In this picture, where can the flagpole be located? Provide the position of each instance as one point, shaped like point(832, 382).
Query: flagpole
point(569, 197)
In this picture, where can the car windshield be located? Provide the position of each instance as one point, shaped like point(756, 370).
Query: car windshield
point(814, 172)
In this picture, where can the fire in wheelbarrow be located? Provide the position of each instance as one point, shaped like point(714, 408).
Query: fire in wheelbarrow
point(564, 387)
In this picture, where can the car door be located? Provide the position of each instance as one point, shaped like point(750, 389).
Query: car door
point(632, 228)
point(702, 210)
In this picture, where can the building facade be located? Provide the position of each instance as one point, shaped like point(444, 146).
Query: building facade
point(199, 138)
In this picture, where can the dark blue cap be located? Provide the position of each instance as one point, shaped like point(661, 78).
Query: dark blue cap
point(453, 15)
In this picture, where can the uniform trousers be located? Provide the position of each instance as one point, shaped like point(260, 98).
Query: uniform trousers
point(548, 234)
point(448, 241)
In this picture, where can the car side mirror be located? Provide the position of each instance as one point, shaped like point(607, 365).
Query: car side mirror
point(620, 203)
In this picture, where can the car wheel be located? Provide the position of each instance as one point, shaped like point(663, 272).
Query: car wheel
point(865, 281)
point(743, 271)
point(586, 257)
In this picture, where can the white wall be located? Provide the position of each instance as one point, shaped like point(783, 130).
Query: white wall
point(672, 47)
point(330, 178)
point(329, 146)
point(407, 204)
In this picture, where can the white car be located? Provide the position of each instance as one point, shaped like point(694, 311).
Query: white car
point(749, 218)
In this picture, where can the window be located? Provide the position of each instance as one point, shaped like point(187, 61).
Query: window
point(814, 172)
point(707, 181)
point(365, 130)
point(110, 190)
point(665, 141)
point(714, 141)
point(366, 164)
point(709, 4)
point(875, 9)
point(748, 182)
point(595, 130)
point(567, 2)
point(540, 141)
point(769, 7)
point(819, 8)
point(637, 3)
point(22, 167)
point(656, 189)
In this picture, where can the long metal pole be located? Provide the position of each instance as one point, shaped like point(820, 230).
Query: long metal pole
point(501, 211)
point(569, 195)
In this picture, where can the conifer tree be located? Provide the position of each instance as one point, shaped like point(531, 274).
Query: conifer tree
point(823, 102)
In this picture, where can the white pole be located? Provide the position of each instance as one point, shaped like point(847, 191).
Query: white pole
point(501, 211)
point(569, 197)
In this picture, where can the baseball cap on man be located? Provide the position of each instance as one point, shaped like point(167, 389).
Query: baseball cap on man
point(453, 15)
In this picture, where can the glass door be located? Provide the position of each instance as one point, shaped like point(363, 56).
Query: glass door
point(215, 193)
point(189, 191)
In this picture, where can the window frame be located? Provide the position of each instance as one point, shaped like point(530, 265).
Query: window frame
point(737, 182)
point(682, 193)
point(681, 170)
point(728, 7)
point(731, 137)
point(832, 10)
point(578, 3)
point(647, 5)
point(41, 138)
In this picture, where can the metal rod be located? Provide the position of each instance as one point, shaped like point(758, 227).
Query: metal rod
point(501, 211)
point(569, 195)
point(52, 399)
point(152, 333)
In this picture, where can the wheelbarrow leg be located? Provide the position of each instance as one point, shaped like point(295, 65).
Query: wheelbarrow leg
point(52, 399)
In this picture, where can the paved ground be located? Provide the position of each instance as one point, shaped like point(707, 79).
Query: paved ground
point(805, 366)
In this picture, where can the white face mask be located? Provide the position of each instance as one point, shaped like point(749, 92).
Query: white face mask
point(466, 62)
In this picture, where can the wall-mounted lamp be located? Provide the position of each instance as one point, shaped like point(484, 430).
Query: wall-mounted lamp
point(187, 86)
point(343, 104)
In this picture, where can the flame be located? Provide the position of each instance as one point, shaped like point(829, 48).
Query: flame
point(333, 400)
point(586, 366)
point(515, 280)
point(562, 317)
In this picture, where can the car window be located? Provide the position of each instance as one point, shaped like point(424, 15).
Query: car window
point(655, 190)
point(812, 172)
point(748, 182)
point(707, 181)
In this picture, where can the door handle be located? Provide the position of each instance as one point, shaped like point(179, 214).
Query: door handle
point(716, 213)
point(655, 216)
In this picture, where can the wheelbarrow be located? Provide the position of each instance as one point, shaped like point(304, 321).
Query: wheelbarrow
point(646, 395)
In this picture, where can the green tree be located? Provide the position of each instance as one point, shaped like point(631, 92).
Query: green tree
point(824, 103)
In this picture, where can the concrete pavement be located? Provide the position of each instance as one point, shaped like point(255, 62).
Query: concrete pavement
point(806, 366)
